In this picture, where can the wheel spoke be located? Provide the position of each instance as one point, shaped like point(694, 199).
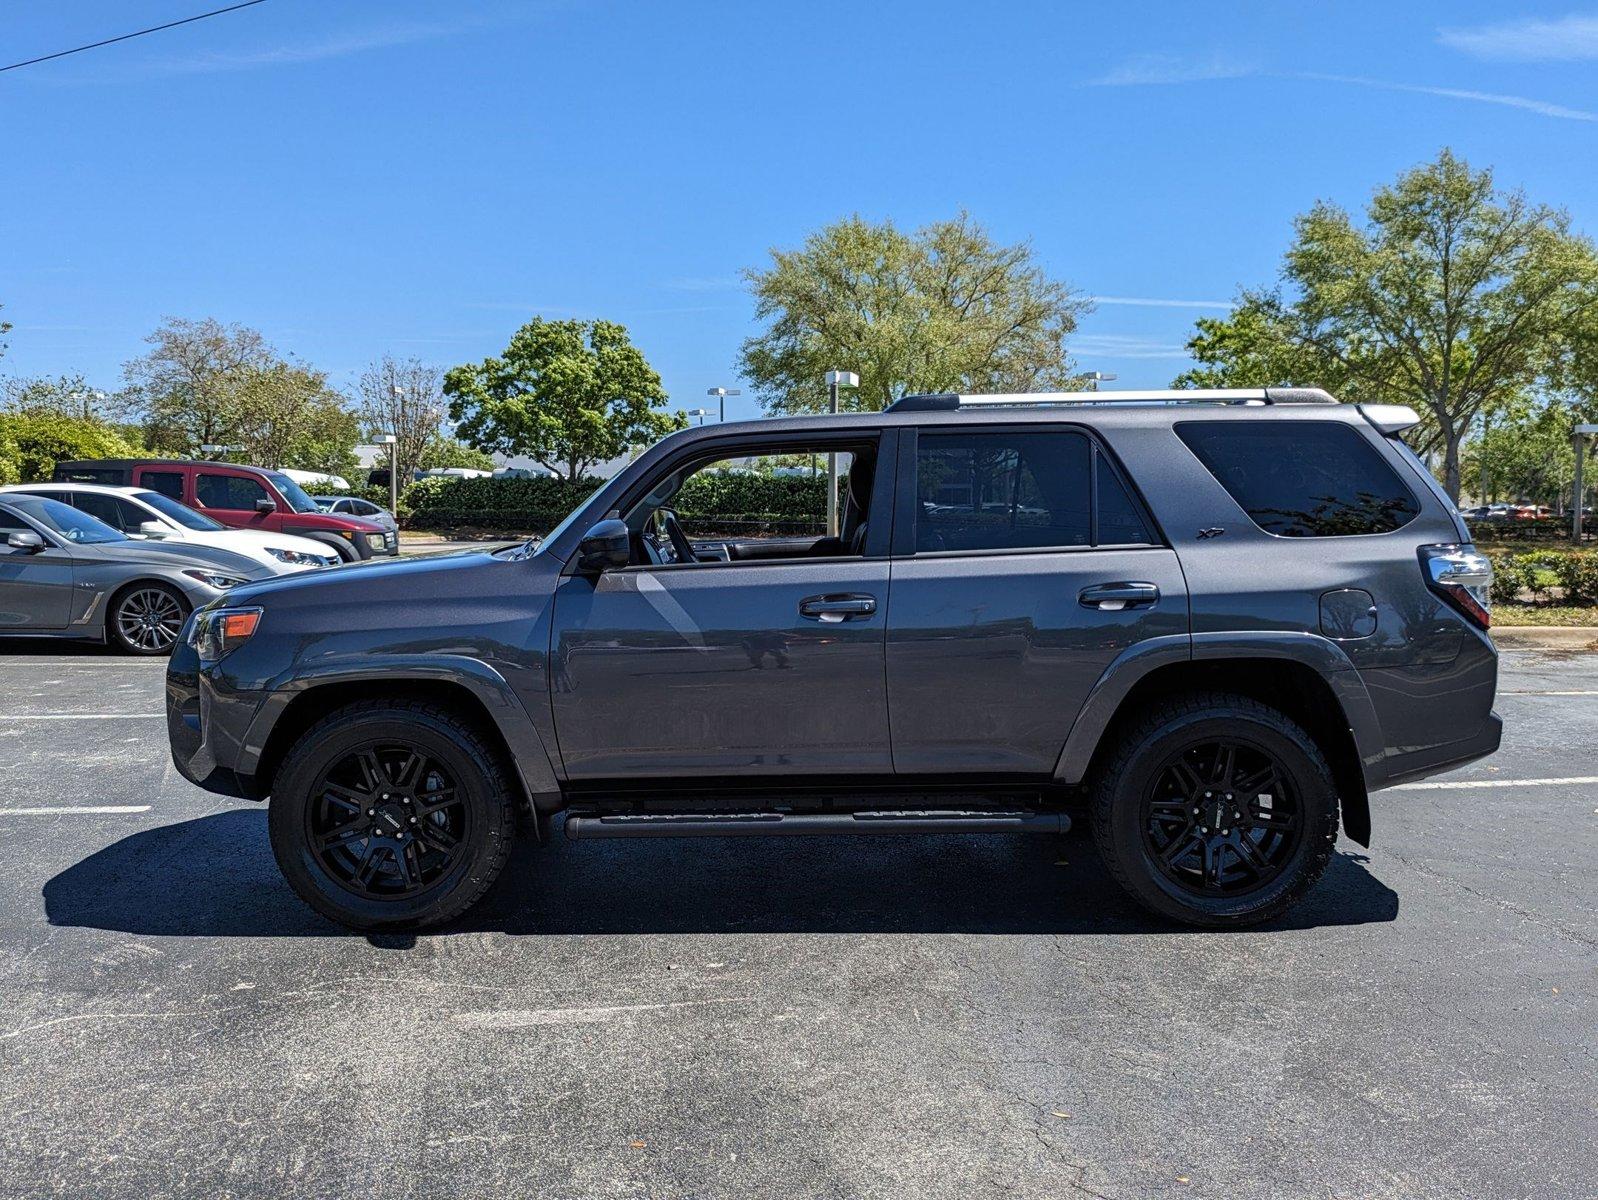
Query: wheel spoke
point(1187, 779)
point(1225, 763)
point(1250, 854)
point(1180, 847)
point(436, 836)
point(1266, 818)
point(428, 803)
point(410, 771)
point(346, 797)
point(1262, 779)
point(372, 773)
point(343, 836)
point(370, 863)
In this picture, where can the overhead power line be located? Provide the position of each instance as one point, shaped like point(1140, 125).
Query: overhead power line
point(138, 33)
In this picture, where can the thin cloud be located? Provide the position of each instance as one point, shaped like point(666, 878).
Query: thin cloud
point(1145, 69)
point(1541, 107)
point(1567, 39)
point(1159, 302)
point(705, 283)
point(1118, 345)
point(1165, 69)
point(339, 46)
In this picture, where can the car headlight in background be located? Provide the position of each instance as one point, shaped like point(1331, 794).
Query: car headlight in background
point(216, 579)
point(219, 631)
point(375, 541)
point(299, 559)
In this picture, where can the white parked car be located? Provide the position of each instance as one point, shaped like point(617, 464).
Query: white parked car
point(141, 513)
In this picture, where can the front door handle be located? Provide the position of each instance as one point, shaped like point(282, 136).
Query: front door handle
point(832, 609)
point(1113, 597)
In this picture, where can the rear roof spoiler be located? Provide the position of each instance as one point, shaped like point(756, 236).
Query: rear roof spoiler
point(1390, 419)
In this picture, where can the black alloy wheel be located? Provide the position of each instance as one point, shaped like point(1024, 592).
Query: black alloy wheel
point(1215, 810)
point(386, 821)
point(1221, 818)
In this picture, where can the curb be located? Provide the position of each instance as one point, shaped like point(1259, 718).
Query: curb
point(1546, 637)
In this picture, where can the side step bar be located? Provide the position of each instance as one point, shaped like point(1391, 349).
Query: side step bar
point(756, 824)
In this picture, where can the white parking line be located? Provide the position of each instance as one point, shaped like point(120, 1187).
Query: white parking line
point(87, 717)
point(102, 810)
point(1515, 693)
point(1466, 784)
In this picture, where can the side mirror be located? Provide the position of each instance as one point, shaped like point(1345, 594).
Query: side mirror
point(27, 540)
point(153, 530)
point(605, 547)
point(266, 506)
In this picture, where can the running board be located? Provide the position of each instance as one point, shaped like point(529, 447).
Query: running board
point(757, 824)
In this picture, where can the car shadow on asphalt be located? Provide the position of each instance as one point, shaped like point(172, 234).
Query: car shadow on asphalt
point(214, 876)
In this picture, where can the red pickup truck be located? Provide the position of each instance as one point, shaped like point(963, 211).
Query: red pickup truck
point(239, 497)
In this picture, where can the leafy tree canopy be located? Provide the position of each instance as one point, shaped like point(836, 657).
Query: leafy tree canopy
point(567, 394)
point(945, 308)
point(1453, 296)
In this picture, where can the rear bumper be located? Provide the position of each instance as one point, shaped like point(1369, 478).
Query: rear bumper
point(1433, 760)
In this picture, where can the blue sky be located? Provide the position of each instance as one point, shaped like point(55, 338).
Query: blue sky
point(419, 178)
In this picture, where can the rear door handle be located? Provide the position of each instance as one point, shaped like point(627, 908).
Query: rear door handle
point(833, 609)
point(1113, 597)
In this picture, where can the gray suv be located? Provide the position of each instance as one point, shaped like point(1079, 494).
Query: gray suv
point(1213, 623)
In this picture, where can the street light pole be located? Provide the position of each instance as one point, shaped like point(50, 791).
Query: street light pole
point(721, 394)
point(392, 442)
point(701, 413)
point(1578, 441)
point(1097, 377)
point(835, 380)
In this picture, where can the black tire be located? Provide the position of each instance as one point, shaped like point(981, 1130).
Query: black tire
point(414, 882)
point(1273, 839)
point(145, 618)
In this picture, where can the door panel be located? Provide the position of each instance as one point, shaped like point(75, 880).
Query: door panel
point(231, 499)
point(712, 669)
point(990, 656)
point(35, 589)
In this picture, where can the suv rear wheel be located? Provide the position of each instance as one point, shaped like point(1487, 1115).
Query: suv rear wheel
point(391, 815)
point(1215, 810)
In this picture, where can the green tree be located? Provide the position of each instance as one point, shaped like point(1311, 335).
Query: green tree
point(33, 442)
point(1526, 454)
point(443, 451)
point(945, 308)
point(404, 397)
point(1454, 297)
point(565, 393)
point(186, 390)
point(287, 416)
point(5, 328)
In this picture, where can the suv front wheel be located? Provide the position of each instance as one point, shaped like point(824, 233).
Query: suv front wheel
point(391, 815)
point(1215, 810)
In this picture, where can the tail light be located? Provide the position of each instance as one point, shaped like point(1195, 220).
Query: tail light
point(1462, 576)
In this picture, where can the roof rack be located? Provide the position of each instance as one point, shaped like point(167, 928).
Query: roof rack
point(951, 402)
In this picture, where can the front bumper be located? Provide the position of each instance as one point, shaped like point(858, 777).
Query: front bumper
point(193, 725)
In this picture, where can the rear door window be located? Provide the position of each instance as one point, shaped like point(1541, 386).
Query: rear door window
point(228, 491)
point(105, 508)
point(1302, 478)
point(168, 483)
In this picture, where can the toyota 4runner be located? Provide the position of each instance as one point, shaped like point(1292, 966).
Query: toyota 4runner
point(1214, 623)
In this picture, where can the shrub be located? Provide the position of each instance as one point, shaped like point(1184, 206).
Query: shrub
point(533, 504)
point(43, 439)
point(1511, 573)
point(1577, 571)
point(10, 458)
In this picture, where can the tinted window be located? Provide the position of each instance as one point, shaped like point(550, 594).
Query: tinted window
point(1002, 491)
point(1120, 520)
point(228, 491)
point(364, 508)
point(75, 526)
point(89, 474)
point(181, 513)
point(1302, 478)
point(168, 483)
point(298, 501)
point(7, 521)
point(103, 507)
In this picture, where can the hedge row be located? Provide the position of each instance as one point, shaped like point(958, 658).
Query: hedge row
point(1535, 571)
point(709, 503)
point(32, 443)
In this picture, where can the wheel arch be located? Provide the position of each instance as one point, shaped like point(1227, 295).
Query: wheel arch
point(114, 596)
point(493, 712)
point(1308, 678)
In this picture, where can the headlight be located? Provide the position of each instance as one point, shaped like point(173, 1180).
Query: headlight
point(219, 631)
point(375, 541)
point(298, 559)
point(215, 579)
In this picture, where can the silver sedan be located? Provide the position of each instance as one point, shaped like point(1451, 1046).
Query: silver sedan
point(64, 573)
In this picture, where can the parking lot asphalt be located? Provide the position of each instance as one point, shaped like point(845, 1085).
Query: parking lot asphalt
point(969, 1016)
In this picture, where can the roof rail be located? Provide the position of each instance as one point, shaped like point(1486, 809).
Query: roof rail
point(951, 402)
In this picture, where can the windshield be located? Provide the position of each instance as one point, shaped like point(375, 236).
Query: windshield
point(549, 538)
point(293, 493)
point(181, 513)
point(77, 527)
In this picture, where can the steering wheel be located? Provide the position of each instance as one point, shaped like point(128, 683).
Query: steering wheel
point(681, 547)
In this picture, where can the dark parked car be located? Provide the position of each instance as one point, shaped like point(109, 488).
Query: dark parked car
point(1214, 623)
point(240, 498)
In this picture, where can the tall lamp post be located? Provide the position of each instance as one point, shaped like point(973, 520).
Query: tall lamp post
point(215, 448)
point(1095, 378)
point(1578, 441)
point(701, 413)
point(721, 395)
point(392, 442)
point(835, 380)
